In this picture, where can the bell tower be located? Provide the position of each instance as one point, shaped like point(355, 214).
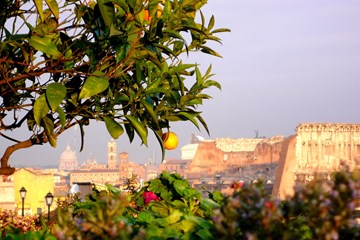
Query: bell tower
point(111, 154)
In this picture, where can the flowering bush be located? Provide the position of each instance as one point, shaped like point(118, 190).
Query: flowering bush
point(318, 210)
point(166, 207)
point(21, 227)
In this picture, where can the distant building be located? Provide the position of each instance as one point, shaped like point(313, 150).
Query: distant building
point(61, 185)
point(92, 164)
point(230, 157)
point(7, 193)
point(127, 169)
point(174, 166)
point(38, 184)
point(68, 160)
point(101, 176)
point(112, 155)
point(315, 152)
point(93, 172)
point(188, 151)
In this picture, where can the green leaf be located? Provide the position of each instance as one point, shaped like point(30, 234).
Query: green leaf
point(211, 22)
point(107, 11)
point(54, 8)
point(82, 134)
point(217, 196)
point(161, 142)
point(174, 34)
point(48, 125)
point(190, 193)
point(190, 116)
point(178, 204)
point(94, 85)
point(209, 83)
point(180, 186)
point(155, 185)
point(39, 8)
point(181, 68)
point(220, 30)
point(209, 51)
point(186, 225)
point(139, 128)
point(199, 78)
point(130, 132)
point(114, 128)
point(209, 204)
point(45, 45)
point(153, 86)
point(112, 189)
point(203, 123)
point(62, 116)
point(40, 109)
point(55, 93)
point(145, 217)
point(204, 234)
point(159, 208)
point(47, 27)
point(199, 221)
point(150, 110)
point(174, 217)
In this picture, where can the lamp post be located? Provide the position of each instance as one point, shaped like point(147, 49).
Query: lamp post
point(22, 195)
point(49, 199)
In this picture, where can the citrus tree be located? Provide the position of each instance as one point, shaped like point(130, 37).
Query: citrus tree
point(67, 62)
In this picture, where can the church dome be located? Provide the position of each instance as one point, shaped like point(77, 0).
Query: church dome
point(68, 159)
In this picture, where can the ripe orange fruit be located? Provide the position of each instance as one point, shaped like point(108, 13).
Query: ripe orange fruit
point(147, 16)
point(170, 140)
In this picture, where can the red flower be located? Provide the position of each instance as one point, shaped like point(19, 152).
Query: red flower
point(149, 196)
point(268, 204)
point(237, 185)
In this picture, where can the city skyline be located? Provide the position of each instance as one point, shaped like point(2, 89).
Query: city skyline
point(283, 64)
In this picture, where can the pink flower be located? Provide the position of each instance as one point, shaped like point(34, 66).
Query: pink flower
point(268, 204)
point(149, 196)
point(237, 185)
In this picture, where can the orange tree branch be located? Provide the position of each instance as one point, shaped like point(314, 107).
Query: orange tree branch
point(37, 139)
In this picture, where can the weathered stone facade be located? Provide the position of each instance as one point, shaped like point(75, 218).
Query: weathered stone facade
point(231, 157)
point(316, 150)
point(174, 166)
point(321, 147)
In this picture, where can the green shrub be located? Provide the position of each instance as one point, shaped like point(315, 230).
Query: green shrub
point(166, 207)
point(169, 208)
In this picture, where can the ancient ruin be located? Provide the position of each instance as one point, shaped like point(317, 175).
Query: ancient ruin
point(316, 151)
point(235, 159)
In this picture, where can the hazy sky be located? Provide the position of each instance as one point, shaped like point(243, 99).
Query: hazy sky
point(285, 62)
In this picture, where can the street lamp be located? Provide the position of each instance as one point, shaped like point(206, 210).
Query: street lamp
point(22, 195)
point(49, 199)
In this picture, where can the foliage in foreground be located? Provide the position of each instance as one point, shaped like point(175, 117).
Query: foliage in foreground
point(123, 63)
point(169, 208)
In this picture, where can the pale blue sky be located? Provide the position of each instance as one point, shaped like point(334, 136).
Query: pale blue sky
point(285, 62)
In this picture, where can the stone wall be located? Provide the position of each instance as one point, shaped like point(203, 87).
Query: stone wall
point(228, 156)
point(321, 147)
point(317, 150)
point(7, 195)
